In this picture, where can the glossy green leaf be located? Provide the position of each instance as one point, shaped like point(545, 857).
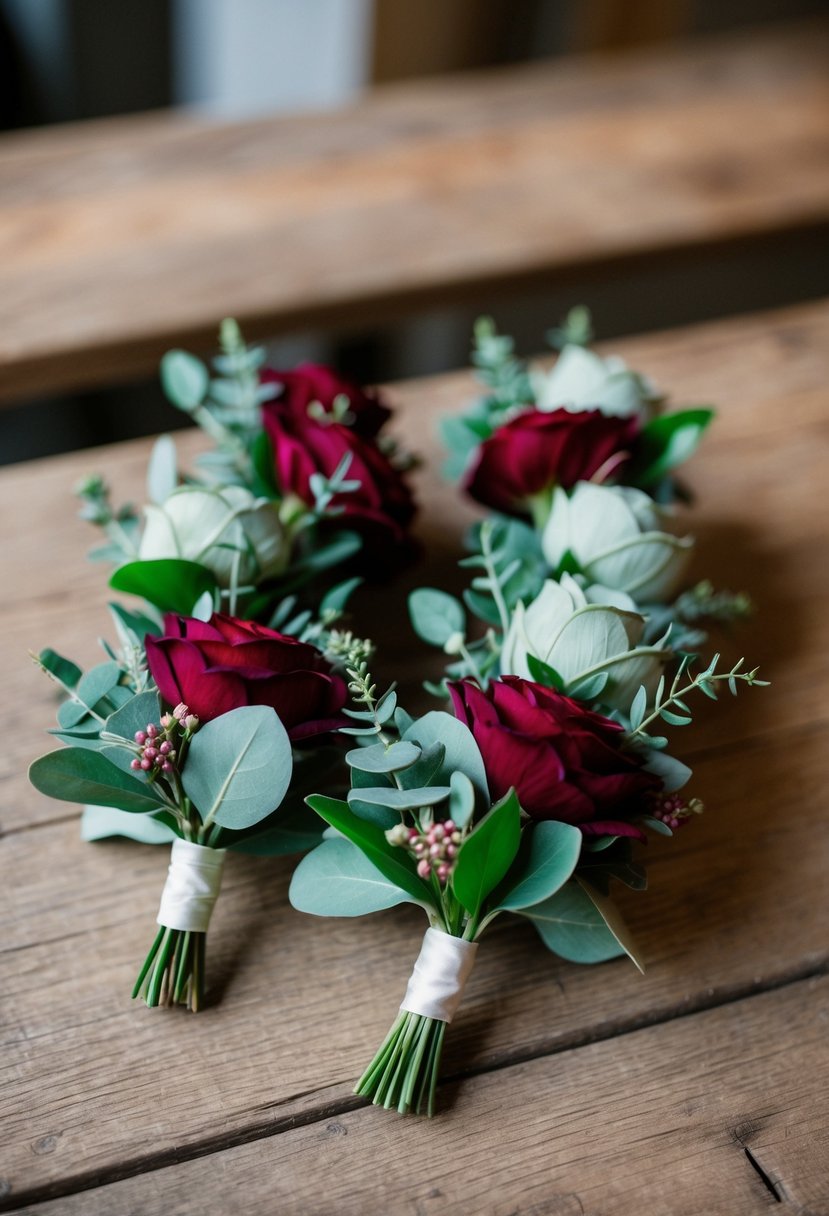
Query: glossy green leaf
point(393, 862)
point(487, 854)
point(64, 670)
point(76, 774)
point(337, 879)
point(668, 441)
point(239, 767)
point(170, 583)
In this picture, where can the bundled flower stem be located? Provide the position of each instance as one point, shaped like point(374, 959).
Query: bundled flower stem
point(404, 1073)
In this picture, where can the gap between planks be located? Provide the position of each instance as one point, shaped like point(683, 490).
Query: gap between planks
point(343, 1102)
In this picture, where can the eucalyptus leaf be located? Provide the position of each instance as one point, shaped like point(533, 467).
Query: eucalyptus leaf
point(401, 800)
point(550, 860)
point(238, 767)
point(436, 616)
point(337, 879)
point(461, 799)
point(570, 924)
point(103, 822)
point(383, 758)
point(462, 752)
point(76, 774)
point(184, 379)
point(136, 715)
point(612, 918)
point(487, 854)
point(162, 471)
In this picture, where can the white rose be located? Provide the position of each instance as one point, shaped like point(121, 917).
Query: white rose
point(581, 380)
point(613, 534)
point(580, 638)
point(211, 526)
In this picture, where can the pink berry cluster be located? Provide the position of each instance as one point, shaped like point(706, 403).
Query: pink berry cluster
point(673, 810)
point(435, 849)
point(157, 745)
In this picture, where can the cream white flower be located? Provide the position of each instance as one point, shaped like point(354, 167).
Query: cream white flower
point(581, 380)
point(613, 533)
point(580, 638)
point(218, 528)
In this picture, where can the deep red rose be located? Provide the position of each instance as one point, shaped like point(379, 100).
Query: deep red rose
point(217, 665)
point(367, 412)
point(565, 762)
point(537, 450)
point(381, 509)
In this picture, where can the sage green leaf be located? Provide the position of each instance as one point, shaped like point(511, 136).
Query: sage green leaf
point(135, 625)
point(426, 768)
point(295, 830)
point(436, 616)
point(337, 879)
point(383, 758)
point(170, 583)
point(78, 774)
point(162, 471)
point(393, 862)
point(401, 800)
point(461, 799)
point(612, 918)
point(552, 855)
point(571, 925)
point(134, 716)
point(184, 379)
point(462, 753)
point(487, 853)
point(103, 822)
point(239, 766)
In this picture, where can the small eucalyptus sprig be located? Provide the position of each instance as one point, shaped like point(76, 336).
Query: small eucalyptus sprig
point(665, 707)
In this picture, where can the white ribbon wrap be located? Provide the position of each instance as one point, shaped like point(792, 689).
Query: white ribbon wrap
point(192, 886)
point(439, 977)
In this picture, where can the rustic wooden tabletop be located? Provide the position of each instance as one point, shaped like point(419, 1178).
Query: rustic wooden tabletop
point(702, 1087)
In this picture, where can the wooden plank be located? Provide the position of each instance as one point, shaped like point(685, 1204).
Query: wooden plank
point(422, 194)
point(725, 1112)
point(755, 518)
point(733, 907)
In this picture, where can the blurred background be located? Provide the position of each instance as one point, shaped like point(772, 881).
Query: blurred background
point(62, 61)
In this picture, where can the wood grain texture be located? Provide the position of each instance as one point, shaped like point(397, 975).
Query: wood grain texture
point(421, 194)
point(662, 1121)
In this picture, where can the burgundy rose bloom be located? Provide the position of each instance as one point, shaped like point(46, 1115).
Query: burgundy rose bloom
point(537, 450)
point(381, 509)
point(217, 665)
point(309, 382)
point(565, 762)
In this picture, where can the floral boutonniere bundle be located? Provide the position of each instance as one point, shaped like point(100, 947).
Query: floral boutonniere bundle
point(571, 652)
point(214, 713)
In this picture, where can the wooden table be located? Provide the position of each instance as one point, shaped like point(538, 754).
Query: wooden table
point(700, 1088)
point(123, 237)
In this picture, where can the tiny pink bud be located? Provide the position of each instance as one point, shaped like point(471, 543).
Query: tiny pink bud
point(150, 753)
point(420, 847)
point(152, 730)
point(165, 748)
point(135, 764)
point(146, 765)
point(167, 721)
point(456, 838)
point(413, 833)
point(181, 711)
point(437, 832)
point(140, 736)
point(443, 872)
point(449, 826)
point(434, 850)
point(167, 767)
point(424, 869)
point(451, 851)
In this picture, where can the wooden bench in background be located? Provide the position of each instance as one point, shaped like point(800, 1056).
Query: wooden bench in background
point(122, 237)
